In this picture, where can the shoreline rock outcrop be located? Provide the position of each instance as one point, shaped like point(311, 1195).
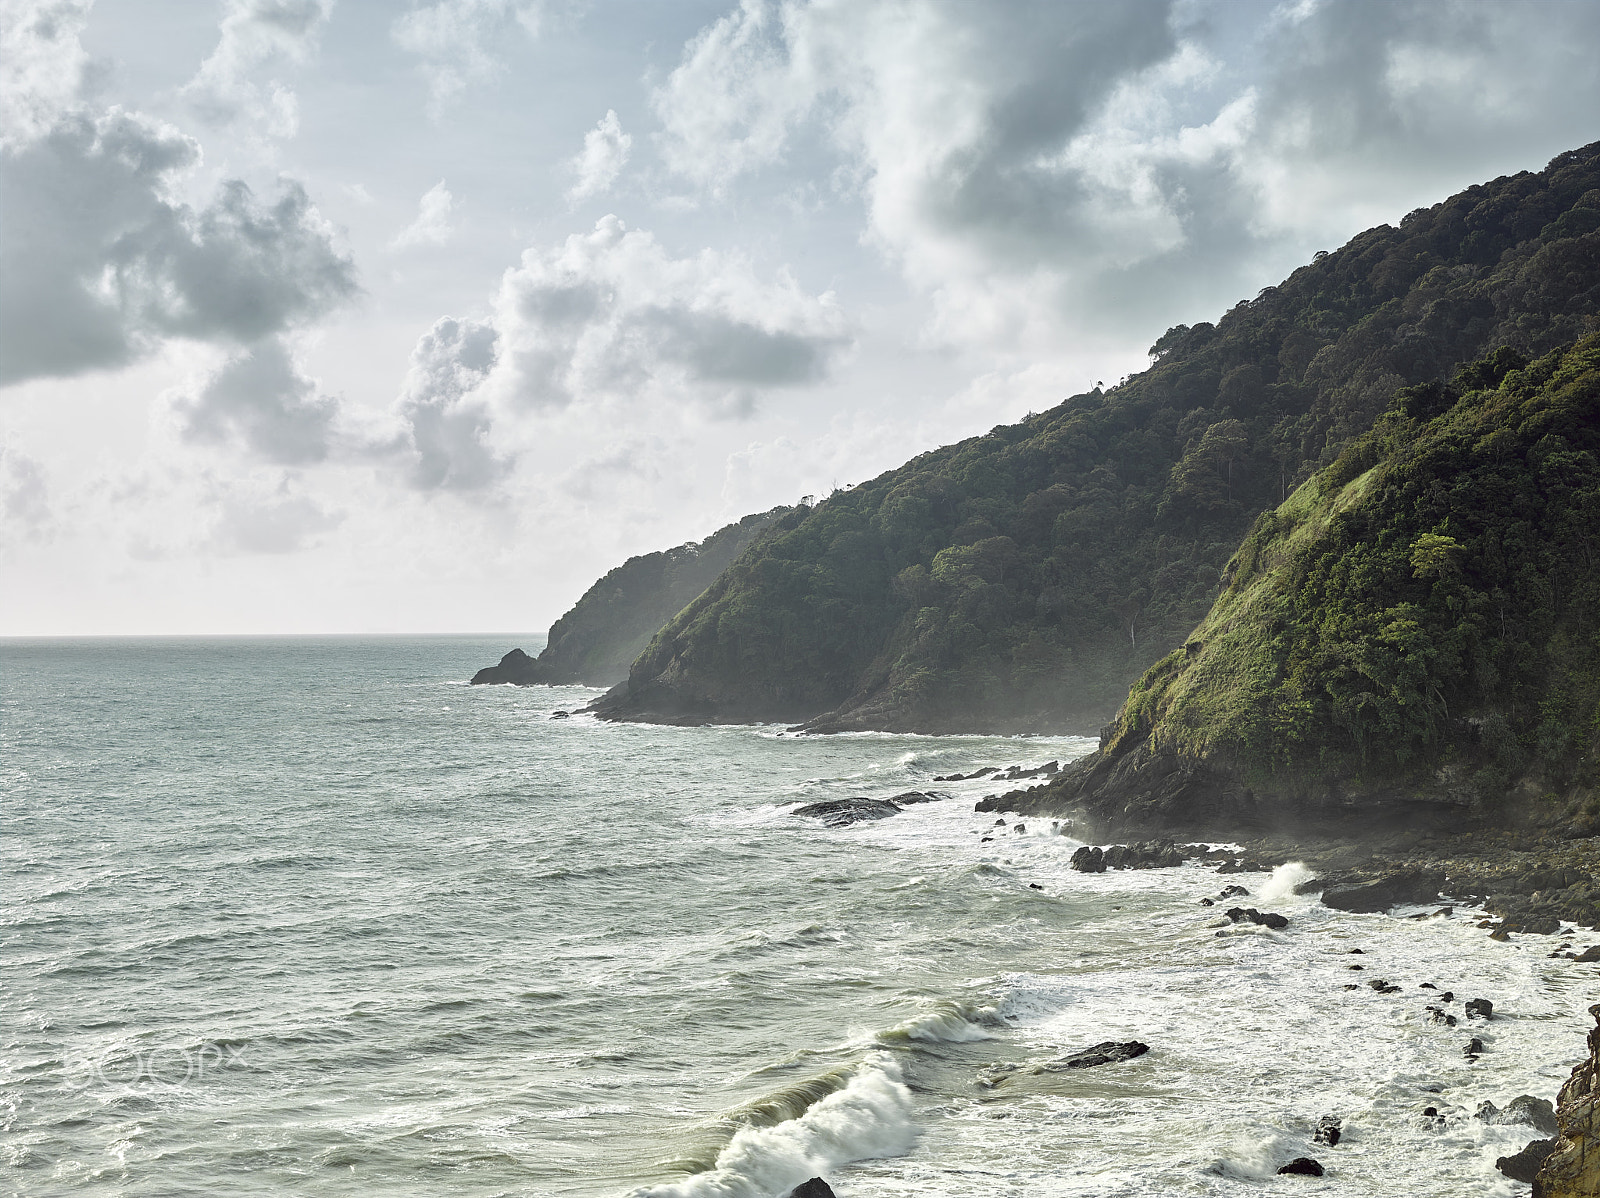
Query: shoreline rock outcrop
point(1572, 1169)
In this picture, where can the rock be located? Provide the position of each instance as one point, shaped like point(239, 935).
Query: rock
point(1541, 925)
point(1382, 986)
point(1034, 886)
point(1329, 1129)
point(515, 667)
point(841, 813)
point(1524, 1166)
point(1208, 902)
point(1572, 1170)
point(1592, 953)
point(1480, 1007)
point(1358, 951)
point(1303, 1166)
point(1089, 860)
point(1267, 919)
point(912, 797)
point(815, 1188)
point(1537, 1113)
point(1439, 1016)
point(1104, 1053)
point(1150, 854)
point(560, 715)
point(1474, 1047)
point(1019, 826)
point(1430, 1112)
point(1401, 886)
point(1233, 892)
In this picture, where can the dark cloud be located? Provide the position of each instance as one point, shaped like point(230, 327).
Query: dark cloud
point(98, 262)
point(259, 399)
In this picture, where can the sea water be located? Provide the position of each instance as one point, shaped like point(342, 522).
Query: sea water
point(313, 916)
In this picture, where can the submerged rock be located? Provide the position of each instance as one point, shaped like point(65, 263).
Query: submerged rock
point(841, 813)
point(1537, 1113)
point(1329, 1130)
point(1104, 1053)
point(1303, 1166)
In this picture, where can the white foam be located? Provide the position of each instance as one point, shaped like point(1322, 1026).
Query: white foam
point(870, 1118)
point(1284, 879)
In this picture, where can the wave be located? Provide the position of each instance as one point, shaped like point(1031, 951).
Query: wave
point(948, 1022)
point(1284, 879)
point(863, 1113)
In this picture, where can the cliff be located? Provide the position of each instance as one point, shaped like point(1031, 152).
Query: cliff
point(1572, 1170)
point(1022, 580)
point(612, 623)
point(1413, 635)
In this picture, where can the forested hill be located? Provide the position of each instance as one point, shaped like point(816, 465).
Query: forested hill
point(611, 624)
point(1024, 579)
point(1418, 626)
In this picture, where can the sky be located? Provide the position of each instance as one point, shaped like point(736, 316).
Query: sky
point(348, 316)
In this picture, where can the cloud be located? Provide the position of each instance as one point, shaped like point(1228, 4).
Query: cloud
point(432, 226)
point(609, 315)
point(98, 262)
point(260, 400)
point(605, 153)
point(24, 497)
point(446, 442)
point(43, 66)
point(453, 39)
point(257, 34)
point(1031, 166)
point(277, 522)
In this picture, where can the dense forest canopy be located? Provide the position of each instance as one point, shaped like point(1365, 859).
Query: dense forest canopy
point(1433, 596)
point(1023, 579)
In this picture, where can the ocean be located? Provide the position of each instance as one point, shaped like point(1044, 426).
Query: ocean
point(313, 917)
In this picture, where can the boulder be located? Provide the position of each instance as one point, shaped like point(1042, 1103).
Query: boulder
point(1474, 1047)
point(1401, 886)
point(1303, 1166)
point(1329, 1130)
point(1267, 919)
point(1089, 860)
point(815, 1188)
point(1481, 1007)
point(1524, 1166)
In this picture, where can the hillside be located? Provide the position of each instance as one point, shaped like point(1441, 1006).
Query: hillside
point(1415, 630)
point(594, 643)
point(1022, 580)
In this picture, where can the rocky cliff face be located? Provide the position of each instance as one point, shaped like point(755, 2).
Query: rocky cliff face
point(594, 643)
point(1022, 580)
point(1572, 1170)
point(1415, 634)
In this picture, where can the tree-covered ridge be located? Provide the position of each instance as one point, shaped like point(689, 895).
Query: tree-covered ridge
point(596, 641)
point(1025, 578)
point(1432, 597)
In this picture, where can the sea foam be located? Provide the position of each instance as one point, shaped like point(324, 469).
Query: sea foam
point(870, 1117)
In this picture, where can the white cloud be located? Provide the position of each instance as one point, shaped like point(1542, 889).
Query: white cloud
point(447, 425)
point(454, 39)
point(432, 226)
point(610, 315)
point(255, 35)
point(24, 497)
point(605, 153)
point(275, 522)
point(42, 64)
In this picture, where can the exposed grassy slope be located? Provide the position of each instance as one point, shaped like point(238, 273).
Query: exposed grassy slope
point(595, 642)
point(1025, 578)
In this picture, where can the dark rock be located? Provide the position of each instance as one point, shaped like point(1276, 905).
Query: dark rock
point(1537, 1113)
point(1234, 892)
point(1474, 1047)
point(1329, 1129)
point(1440, 1016)
point(1104, 1053)
point(515, 667)
point(1357, 966)
point(1208, 902)
point(815, 1188)
point(1430, 1112)
point(1303, 1166)
point(1356, 951)
point(1524, 1166)
point(840, 813)
point(1401, 886)
point(1573, 1167)
point(1267, 919)
point(560, 715)
point(1088, 860)
point(1480, 1007)
point(1541, 925)
point(1427, 986)
point(911, 797)
point(1019, 826)
point(1034, 886)
point(1592, 953)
